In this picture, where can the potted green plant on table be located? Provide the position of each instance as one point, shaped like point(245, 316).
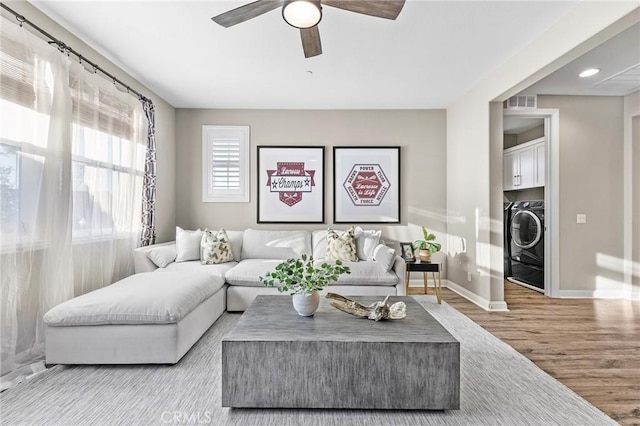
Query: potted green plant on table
point(427, 246)
point(303, 280)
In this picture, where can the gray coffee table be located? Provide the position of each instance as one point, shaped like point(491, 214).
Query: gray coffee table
point(275, 358)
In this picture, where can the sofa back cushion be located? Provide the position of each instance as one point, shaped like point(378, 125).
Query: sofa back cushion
point(235, 239)
point(163, 255)
point(265, 244)
point(366, 242)
point(319, 241)
point(187, 244)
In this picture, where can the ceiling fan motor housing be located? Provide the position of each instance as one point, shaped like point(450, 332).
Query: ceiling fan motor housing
point(302, 13)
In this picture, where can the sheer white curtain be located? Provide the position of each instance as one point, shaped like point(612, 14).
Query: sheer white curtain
point(108, 134)
point(71, 164)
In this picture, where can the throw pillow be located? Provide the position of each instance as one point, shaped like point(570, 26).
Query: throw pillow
point(187, 244)
point(385, 256)
point(215, 247)
point(366, 242)
point(163, 255)
point(342, 246)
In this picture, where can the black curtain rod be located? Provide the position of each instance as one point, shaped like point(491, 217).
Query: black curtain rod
point(64, 48)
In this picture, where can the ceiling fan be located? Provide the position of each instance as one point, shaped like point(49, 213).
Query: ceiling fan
point(306, 14)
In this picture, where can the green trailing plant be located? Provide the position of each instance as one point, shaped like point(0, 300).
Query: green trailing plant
point(299, 276)
point(428, 243)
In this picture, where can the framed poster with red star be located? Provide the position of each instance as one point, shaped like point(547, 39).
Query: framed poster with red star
point(290, 184)
point(366, 184)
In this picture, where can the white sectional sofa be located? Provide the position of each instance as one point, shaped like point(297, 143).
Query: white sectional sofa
point(257, 252)
point(159, 313)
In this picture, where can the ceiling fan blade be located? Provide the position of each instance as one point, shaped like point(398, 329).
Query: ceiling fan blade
point(246, 12)
point(388, 9)
point(311, 41)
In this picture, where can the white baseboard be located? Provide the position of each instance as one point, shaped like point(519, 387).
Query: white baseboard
point(502, 306)
point(485, 304)
point(591, 294)
point(632, 295)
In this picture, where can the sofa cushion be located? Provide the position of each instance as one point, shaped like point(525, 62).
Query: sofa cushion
point(319, 244)
point(385, 256)
point(187, 244)
point(364, 273)
point(264, 244)
point(235, 239)
point(366, 242)
point(341, 245)
point(146, 298)
point(162, 256)
point(195, 266)
point(249, 271)
point(215, 247)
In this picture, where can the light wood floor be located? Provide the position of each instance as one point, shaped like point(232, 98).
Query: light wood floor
point(592, 346)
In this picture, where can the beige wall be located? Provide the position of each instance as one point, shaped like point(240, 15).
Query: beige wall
point(420, 133)
point(470, 184)
point(525, 194)
point(531, 134)
point(165, 117)
point(591, 182)
point(632, 193)
point(509, 140)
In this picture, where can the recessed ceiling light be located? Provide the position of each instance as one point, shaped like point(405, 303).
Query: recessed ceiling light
point(589, 72)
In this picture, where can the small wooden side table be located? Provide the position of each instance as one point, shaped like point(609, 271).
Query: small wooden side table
point(425, 268)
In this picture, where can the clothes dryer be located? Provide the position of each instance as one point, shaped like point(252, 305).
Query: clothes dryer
point(527, 242)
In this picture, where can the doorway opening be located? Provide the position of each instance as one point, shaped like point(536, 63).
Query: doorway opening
point(530, 192)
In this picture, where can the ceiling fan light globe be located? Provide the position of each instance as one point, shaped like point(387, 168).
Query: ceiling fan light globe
point(302, 13)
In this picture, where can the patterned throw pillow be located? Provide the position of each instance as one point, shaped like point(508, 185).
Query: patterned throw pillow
point(215, 247)
point(342, 246)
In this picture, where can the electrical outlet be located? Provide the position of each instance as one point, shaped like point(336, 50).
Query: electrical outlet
point(581, 218)
point(469, 276)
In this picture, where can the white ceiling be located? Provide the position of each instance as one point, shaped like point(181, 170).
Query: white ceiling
point(429, 57)
point(618, 60)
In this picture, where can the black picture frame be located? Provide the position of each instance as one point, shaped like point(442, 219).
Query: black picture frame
point(407, 253)
point(300, 167)
point(376, 169)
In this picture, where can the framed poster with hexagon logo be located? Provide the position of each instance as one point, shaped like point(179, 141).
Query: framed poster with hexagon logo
point(366, 184)
point(290, 184)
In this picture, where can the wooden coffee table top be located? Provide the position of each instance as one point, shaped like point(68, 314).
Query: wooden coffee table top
point(272, 318)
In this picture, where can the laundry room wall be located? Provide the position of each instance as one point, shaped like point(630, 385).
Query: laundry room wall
point(529, 135)
point(525, 194)
point(591, 183)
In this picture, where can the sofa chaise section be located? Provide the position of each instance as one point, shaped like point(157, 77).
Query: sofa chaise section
point(149, 318)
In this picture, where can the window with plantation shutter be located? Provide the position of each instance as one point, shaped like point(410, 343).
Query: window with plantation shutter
point(225, 164)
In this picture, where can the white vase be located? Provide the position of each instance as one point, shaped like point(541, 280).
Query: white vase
point(306, 304)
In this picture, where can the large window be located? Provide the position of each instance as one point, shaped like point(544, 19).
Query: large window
point(107, 164)
point(22, 154)
point(104, 167)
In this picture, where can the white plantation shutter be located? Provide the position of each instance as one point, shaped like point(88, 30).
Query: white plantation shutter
point(225, 164)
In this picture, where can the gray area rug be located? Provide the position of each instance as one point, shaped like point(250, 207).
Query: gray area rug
point(498, 387)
